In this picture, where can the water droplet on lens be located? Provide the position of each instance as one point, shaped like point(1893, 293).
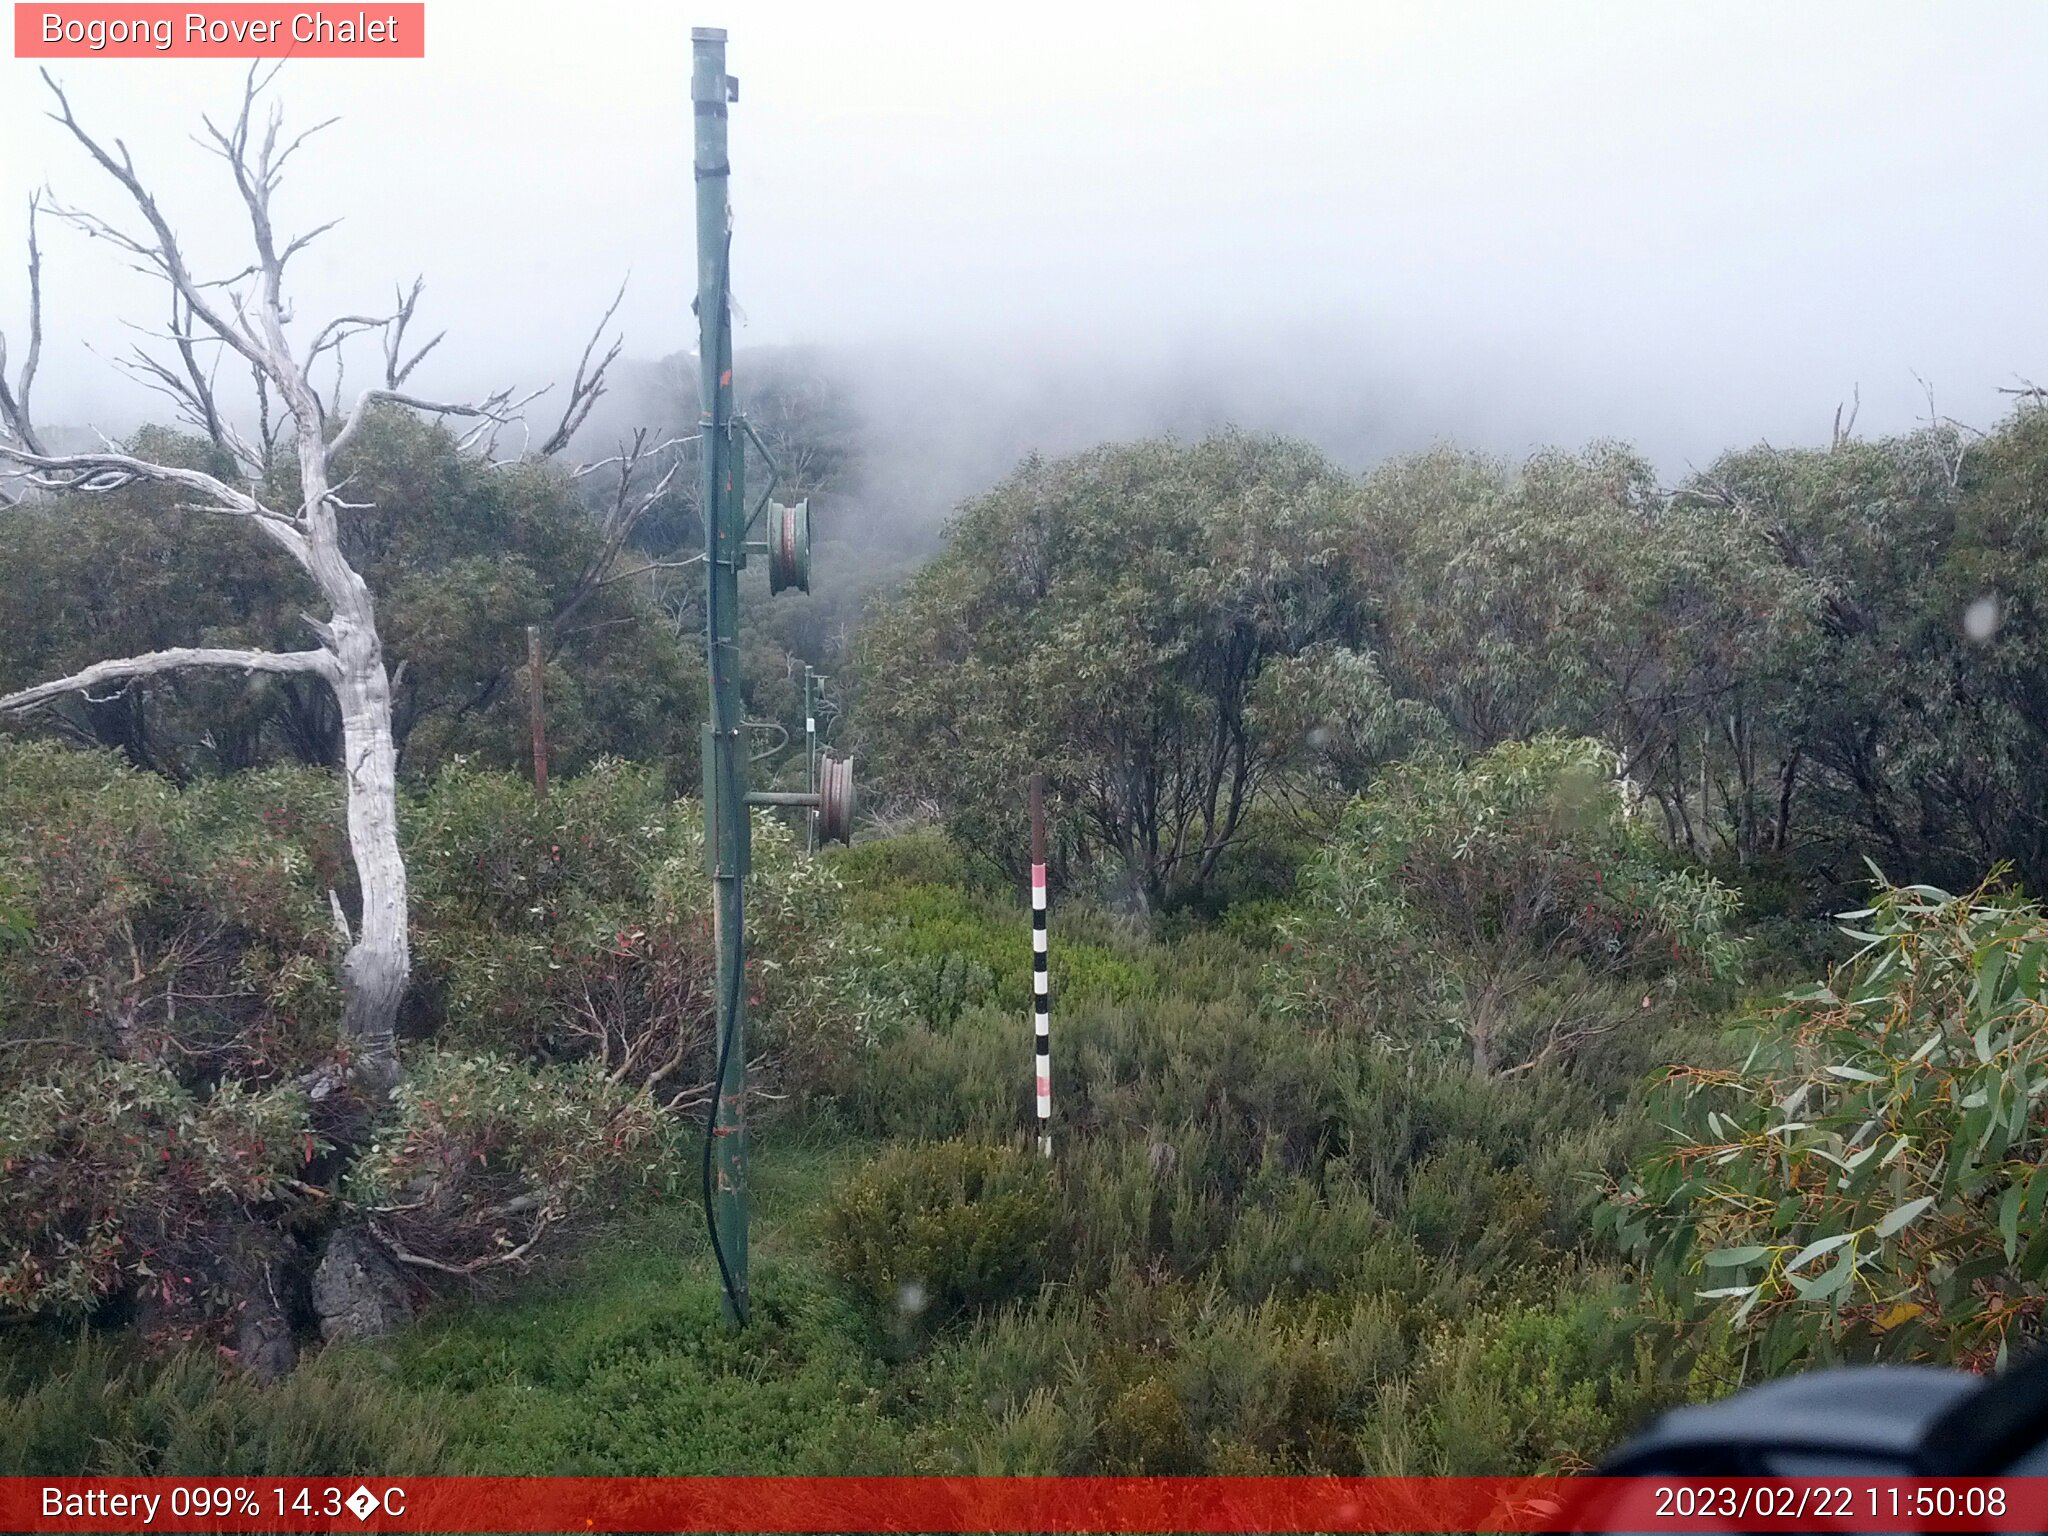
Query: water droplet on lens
point(1980, 619)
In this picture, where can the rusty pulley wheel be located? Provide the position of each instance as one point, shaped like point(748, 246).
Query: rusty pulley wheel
point(789, 547)
point(835, 799)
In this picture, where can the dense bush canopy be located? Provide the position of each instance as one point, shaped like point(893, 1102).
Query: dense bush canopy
point(461, 555)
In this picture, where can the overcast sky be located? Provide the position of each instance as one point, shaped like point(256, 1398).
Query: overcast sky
point(1688, 226)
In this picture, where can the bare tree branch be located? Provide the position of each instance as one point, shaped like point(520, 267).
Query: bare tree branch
point(1843, 433)
point(404, 1255)
point(165, 257)
point(650, 566)
point(319, 662)
point(627, 509)
point(496, 411)
point(191, 391)
point(111, 471)
point(586, 388)
point(339, 330)
point(15, 420)
point(397, 366)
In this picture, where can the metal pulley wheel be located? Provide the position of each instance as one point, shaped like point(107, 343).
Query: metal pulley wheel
point(835, 799)
point(789, 547)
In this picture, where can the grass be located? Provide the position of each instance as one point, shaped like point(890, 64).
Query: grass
point(622, 1365)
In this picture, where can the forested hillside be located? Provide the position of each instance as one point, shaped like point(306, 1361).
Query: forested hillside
point(1531, 945)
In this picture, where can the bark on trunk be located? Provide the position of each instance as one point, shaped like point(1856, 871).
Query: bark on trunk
point(379, 962)
point(264, 1346)
point(358, 1292)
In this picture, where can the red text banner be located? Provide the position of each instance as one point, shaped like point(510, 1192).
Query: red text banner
point(1048, 1504)
point(239, 31)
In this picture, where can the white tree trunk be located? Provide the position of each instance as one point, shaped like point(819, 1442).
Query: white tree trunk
point(379, 962)
point(248, 315)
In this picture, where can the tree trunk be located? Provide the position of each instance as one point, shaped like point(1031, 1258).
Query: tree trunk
point(358, 1292)
point(379, 962)
point(1781, 832)
point(264, 1346)
point(1480, 1030)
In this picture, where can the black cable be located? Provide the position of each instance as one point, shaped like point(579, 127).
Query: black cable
point(732, 1003)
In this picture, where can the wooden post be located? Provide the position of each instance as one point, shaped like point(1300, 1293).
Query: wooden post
point(535, 670)
point(1041, 987)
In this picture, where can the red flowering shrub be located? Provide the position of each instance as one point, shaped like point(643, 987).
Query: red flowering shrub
point(113, 1174)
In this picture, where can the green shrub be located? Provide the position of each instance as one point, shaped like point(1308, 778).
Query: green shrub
point(930, 1232)
point(1508, 910)
point(579, 928)
point(166, 981)
point(1544, 1387)
point(188, 929)
point(627, 1368)
point(1304, 1240)
point(1146, 1430)
point(112, 1175)
point(1458, 1202)
point(1142, 1200)
point(1143, 1376)
point(483, 1160)
point(15, 918)
point(1871, 1179)
point(925, 857)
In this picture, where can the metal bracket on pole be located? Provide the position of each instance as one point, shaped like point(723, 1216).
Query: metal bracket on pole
point(774, 475)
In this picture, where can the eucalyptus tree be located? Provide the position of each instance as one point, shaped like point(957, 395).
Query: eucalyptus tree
point(1107, 618)
point(1572, 593)
point(281, 481)
point(1915, 707)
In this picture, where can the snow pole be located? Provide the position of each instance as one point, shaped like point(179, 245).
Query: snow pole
point(1041, 993)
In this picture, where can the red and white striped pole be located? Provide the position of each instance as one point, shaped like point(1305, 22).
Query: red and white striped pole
point(1041, 992)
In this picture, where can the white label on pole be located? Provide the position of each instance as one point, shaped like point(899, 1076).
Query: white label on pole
point(810, 725)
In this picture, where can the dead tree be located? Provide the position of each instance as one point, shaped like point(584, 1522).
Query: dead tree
point(246, 319)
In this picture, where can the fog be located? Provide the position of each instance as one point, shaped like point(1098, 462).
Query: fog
point(1374, 225)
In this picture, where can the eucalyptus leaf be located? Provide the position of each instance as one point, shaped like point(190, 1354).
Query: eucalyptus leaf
point(1815, 1249)
point(1911, 1211)
point(1728, 1258)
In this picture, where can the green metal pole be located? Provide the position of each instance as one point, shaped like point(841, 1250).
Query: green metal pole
point(810, 759)
point(725, 805)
